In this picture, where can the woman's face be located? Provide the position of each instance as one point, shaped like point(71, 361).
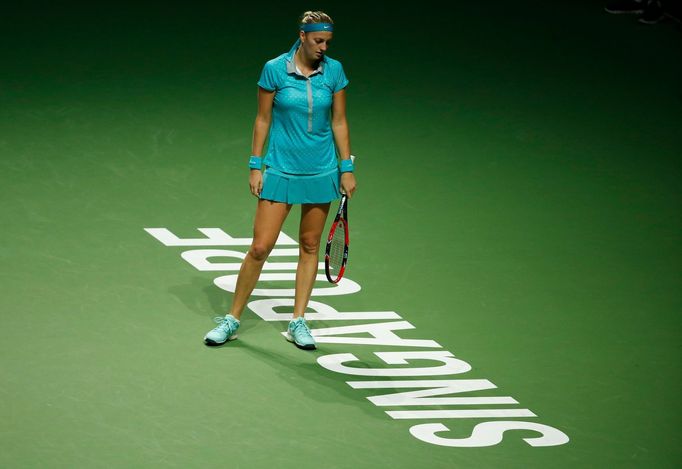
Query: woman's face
point(315, 44)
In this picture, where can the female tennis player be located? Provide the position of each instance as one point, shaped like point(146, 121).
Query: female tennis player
point(302, 106)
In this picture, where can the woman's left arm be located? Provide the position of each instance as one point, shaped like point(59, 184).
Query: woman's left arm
point(342, 138)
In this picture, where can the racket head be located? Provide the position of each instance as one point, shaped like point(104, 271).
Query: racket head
point(336, 252)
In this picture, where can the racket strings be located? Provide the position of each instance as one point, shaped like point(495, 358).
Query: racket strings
point(337, 247)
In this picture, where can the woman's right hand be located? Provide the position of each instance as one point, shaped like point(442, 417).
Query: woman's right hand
point(256, 182)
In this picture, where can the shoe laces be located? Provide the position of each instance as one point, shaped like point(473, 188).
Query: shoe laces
point(302, 325)
point(222, 321)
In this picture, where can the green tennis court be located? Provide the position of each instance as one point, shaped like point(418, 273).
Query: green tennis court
point(514, 280)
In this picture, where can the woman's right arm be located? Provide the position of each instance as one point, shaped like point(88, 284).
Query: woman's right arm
point(260, 133)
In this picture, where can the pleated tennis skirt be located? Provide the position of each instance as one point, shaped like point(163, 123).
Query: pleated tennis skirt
point(301, 188)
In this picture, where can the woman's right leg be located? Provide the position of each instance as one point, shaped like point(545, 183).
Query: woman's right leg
point(268, 223)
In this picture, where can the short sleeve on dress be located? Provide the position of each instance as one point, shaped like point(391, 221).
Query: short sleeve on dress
point(268, 77)
point(341, 80)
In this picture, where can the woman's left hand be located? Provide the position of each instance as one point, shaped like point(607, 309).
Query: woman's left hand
point(348, 184)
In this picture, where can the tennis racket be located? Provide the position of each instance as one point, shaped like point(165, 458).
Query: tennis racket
point(336, 254)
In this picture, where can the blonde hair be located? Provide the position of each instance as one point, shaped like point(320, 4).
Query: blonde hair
point(315, 17)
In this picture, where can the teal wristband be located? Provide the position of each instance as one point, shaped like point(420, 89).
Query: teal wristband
point(347, 166)
point(255, 162)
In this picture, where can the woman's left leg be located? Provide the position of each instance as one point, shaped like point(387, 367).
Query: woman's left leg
point(313, 218)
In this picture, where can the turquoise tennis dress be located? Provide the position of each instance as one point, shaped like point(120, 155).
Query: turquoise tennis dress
point(301, 163)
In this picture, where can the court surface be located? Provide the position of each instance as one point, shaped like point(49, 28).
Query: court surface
point(518, 216)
